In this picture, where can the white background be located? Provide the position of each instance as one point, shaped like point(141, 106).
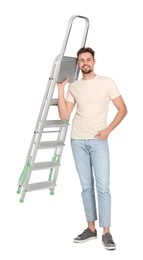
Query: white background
point(31, 35)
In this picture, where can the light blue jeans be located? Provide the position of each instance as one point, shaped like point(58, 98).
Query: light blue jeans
point(92, 163)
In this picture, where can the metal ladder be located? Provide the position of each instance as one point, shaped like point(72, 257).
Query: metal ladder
point(62, 67)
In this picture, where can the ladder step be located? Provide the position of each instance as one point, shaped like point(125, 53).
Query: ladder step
point(39, 186)
point(68, 67)
point(45, 165)
point(54, 102)
point(50, 144)
point(51, 131)
point(56, 123)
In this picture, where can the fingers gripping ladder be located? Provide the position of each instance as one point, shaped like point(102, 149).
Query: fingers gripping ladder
point(62, 67)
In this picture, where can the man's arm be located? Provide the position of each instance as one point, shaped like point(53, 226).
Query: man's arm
point(65, 108)
point(122, 111)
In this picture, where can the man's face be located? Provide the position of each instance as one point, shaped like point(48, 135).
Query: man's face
point(86, 62)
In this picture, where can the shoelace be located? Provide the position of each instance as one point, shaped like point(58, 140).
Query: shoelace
point(83, 233)
point(109, 237)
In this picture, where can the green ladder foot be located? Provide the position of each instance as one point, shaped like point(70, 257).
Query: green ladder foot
point(18, 192)
point(21, 200)
point(52, 193)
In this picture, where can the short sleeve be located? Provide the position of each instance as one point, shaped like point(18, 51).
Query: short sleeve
point(69, 96)
point(113, 90)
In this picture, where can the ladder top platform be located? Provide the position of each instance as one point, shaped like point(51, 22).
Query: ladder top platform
point(68, 69)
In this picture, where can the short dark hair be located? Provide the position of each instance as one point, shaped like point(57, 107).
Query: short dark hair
point(85, 49)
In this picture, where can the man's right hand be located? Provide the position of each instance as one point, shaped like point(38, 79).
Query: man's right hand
point(62, 84)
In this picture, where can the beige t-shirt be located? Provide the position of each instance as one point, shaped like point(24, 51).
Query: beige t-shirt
point(92, 98)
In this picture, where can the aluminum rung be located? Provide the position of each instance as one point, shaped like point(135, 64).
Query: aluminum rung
point(54, 102)
point(45, 165)
point(56, 123)
point(50, 144)
point(39, 186)
point(45, 132)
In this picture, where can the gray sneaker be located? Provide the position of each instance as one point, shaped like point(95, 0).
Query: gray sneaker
point(108, 242)
point(85, 236)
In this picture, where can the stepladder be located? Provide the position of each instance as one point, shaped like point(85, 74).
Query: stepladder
point(49, 135)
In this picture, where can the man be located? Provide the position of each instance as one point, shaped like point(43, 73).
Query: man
point(89, 135)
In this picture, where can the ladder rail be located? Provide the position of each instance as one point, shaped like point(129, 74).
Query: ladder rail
point(57, 151)
point(63, 133)
point(69, 30)
point(67, 34)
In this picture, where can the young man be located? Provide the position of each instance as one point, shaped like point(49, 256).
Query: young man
point(89, 135)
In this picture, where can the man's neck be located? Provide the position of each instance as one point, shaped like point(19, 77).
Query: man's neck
point(88, 76)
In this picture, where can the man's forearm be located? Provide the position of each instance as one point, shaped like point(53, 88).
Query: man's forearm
point(122, 111)
point(63, 112)
point(117, 120)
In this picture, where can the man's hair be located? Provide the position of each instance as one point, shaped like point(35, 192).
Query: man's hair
point(85, 49)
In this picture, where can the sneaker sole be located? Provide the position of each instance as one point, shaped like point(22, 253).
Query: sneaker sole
point(85, 240)
point(109, 248)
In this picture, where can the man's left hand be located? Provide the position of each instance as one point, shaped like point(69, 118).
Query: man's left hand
point(103, 135)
